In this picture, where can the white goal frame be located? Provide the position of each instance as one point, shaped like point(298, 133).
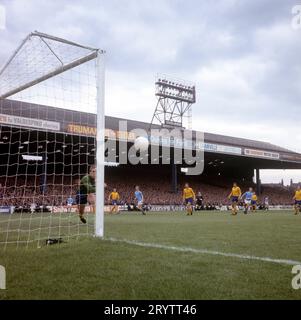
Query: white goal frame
point(100, 145)
point(99, 55)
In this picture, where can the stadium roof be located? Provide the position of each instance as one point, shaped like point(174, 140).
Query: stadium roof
point(112, 123)
point(253, 153)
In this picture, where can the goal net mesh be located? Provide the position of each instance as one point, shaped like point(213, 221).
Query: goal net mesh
point(48, 105)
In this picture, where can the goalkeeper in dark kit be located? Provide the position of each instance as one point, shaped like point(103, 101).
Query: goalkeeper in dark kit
point(86, 193)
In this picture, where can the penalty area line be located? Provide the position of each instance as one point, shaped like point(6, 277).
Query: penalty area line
point(203, 251)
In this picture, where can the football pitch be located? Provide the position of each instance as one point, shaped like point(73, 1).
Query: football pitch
point(163, 255)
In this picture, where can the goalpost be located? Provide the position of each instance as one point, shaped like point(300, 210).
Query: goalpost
point(49, 86)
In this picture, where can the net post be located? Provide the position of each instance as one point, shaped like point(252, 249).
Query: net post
point(100, 142)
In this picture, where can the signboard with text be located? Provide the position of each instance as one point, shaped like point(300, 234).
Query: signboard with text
point(261, 154)
point(29, 122)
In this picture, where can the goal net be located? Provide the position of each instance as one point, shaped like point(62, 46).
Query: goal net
point(51, 133)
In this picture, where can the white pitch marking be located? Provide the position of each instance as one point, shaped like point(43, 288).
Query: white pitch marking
point(204, 251)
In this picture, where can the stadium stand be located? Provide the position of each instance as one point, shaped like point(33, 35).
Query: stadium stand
point(156, 190)
point(70, 151)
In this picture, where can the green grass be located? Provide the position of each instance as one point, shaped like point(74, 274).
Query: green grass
point(89, 268)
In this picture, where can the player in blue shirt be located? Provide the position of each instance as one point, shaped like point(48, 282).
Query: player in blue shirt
point(139, 199)
point(70, 202)
point(248, 199)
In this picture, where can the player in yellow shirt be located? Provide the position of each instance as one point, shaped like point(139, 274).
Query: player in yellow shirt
point(297, 198)
point(114, 198)
point(235, 195)
point(254, 202)
point(188, 198)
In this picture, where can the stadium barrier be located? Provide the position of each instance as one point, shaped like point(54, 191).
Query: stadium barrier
point(124, 208)
point(6, 210)
point(161, 208)
point(68, 209)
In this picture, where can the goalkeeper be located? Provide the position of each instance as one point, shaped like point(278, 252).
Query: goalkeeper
point(86, 193)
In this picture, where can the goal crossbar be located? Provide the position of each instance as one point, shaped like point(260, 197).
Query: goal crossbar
point(55, 48)
point(57, 71)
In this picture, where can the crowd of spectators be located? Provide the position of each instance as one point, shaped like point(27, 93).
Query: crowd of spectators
point(23, 192)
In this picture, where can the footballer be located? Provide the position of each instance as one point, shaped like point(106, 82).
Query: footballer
point(297, 198)
point(139, 199)
point(248, 199)
point(235, 195)
point(188, 198)
point(114, 197)
point(86, 193)
point(254, 202)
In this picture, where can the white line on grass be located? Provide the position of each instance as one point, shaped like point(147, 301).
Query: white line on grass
point(204, 251)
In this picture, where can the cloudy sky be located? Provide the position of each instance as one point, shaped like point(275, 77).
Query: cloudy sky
point(243, 56)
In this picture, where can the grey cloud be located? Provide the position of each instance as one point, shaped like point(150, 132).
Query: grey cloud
point(243, 55)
